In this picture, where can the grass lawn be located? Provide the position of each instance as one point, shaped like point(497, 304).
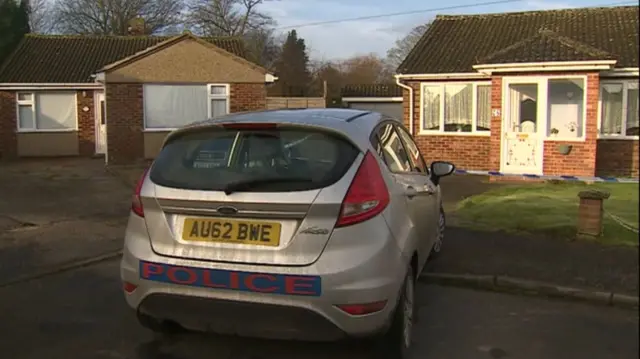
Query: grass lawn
point(550, 209)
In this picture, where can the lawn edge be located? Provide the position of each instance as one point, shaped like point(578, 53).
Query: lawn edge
point(498, 283)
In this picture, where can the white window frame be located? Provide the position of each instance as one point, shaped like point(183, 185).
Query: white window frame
point(545, 117)
point(32, 103)
point(625, 95)
point(474, 109)
point(211, 96)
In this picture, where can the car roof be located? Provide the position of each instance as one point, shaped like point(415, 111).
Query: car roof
point(355, 124)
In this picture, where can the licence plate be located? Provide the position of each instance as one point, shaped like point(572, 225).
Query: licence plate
point(222, 230)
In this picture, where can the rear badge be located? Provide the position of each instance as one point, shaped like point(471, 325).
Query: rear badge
point(314, 230)
point(226, 210)
point(232, 280)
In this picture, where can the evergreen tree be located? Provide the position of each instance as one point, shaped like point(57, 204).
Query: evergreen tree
point(292, 67)
point(14, 23)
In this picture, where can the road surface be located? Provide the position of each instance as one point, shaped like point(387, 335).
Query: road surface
point(82, 314)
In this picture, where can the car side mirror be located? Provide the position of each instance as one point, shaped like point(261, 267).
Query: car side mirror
point(441, 169)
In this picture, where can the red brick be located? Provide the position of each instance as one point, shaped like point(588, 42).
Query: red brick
point(86, 123)
point(8, 140)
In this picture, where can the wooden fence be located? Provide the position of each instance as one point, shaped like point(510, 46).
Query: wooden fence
point(295, 102)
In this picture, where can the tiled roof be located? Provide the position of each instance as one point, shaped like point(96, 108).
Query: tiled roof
point(374, 90)
point(456, 43)
point(73, 59)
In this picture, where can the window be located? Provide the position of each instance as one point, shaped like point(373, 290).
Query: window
point(456, 107)
point(619, 108)
point(391, 149)
point(167, 107)
point(279, 160)
point(565, 108)
point(416, 157)
point(218, 100)
point(47, 111)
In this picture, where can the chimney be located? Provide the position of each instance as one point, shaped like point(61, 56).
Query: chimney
point(136, 26)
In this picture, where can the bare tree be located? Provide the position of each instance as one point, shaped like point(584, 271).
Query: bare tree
point(40, 19)
point(264, 46)
point(403, 46)
point(365, 69)
point(227, 17)
point(112, 17)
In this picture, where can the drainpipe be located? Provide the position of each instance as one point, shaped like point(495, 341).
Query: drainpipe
point(406, 87)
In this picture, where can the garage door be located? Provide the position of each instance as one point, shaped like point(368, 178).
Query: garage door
point(392, 109)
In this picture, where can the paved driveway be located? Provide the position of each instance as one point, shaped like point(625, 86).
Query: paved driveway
point(55, 211)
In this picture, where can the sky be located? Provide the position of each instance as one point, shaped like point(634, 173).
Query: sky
point(357, 37)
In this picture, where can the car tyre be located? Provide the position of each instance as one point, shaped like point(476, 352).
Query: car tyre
point(158, 326)
point(396, 342)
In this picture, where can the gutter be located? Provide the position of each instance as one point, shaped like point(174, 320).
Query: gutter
point(406, 87)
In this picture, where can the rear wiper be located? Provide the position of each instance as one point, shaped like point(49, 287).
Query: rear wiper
point(245, 185)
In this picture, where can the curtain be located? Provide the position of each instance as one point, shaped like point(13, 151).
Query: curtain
point(431, 107)
point(173, 106)
point(632, 111)
point(55, 111)
point(611, 109)
point(484, 108)
point(457, 107)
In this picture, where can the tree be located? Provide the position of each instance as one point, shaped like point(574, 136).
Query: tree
point(366, 69)
point(227, 17)
point(40, 19)
point(113, 17)
point(14, 24)
point(403, 46)
point(292, 68)
point(263, 46)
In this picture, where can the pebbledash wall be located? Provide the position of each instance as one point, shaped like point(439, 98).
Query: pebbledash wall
point(593, 156)
point(127, 141)
point(14, 144)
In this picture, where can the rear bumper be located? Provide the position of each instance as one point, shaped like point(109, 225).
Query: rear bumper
point(241, 318)
point(371, 270)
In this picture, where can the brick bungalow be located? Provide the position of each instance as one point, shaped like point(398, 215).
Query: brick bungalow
point(542, 92)
point(119, 95)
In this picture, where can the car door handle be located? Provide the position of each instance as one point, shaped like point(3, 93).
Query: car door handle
point(410, 191)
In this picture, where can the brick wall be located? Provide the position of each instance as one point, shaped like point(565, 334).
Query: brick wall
point(617, 158)
point(248, 97)
point(468, 152)
point(8, 140)
point(125, 141)
point(86, 123)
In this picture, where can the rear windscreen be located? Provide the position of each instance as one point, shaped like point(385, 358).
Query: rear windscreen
point(262, 160)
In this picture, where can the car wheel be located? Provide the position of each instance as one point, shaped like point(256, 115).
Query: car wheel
point(157, 326)
point(397, 341)
point(442, 223)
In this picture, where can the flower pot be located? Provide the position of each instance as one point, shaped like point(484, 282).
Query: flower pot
point(565, 149)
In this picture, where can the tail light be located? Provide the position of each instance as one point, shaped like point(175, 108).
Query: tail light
point(136, 201)
point(367, 196)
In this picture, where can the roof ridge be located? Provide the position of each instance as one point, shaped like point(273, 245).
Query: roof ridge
point(533, 12)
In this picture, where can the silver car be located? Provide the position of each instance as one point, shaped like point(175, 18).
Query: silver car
point(307, 224)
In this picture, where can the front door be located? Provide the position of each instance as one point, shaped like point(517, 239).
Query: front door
point(523, 126)
point(101, 123)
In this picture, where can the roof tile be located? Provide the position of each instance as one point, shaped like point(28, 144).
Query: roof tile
point(456, 43)
point(73, 59)
point(371, 90)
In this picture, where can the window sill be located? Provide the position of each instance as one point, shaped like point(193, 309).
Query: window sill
point(564, 139)
point(458, 134)
point(47, 131)
point(618, 137)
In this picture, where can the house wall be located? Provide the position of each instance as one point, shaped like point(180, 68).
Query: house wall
point(481, 152)
point(466, 151)
point(129, 143)
point(14, 144)
point(617, 158)
point(187, 61)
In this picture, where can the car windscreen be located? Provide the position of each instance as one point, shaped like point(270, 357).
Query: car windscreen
point(273, 160)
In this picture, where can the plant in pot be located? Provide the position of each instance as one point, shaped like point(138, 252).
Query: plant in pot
point(554, 132)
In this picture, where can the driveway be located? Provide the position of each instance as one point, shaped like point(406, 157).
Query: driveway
point(56, 211)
